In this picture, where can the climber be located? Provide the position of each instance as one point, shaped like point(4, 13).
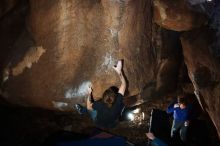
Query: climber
point(106, 112)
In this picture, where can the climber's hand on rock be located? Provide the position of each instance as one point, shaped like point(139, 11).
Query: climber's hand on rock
point(118, 67)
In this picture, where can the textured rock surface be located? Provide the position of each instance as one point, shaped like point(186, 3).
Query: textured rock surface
point(12, 23)
point(176, 15)
point(66, 46)
point(6, 6)
point(81, 41)
point(204, 70)
point(167, 64)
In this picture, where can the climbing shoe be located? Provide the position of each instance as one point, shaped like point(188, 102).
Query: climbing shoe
point(79, 108)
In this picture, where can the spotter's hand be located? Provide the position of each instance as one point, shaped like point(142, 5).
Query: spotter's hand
point(176, 105)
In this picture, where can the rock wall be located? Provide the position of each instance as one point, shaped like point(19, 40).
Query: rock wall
point(168, 57)
point(200, 47)
point(12, 23)
point(204, 70)
point(65, 46)
point(6, 6)
point(177, 16)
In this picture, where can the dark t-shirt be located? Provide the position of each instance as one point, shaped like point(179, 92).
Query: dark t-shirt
point(108, 117)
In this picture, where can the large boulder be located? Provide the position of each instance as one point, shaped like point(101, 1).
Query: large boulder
point(68, 45)
point(204, 70)
point(176, 15)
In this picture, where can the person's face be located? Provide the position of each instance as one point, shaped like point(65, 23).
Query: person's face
point(182, 106)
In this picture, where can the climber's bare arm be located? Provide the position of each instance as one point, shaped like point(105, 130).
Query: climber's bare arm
point(119, 71)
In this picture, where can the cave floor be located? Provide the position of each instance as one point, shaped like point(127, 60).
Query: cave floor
point(31, 126)
point(25, 126)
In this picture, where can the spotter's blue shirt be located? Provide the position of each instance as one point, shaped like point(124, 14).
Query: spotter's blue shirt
point(178, 113)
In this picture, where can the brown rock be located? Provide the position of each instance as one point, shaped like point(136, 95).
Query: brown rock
point(167, 53)
point(176, 15)
point(204, 70)
point(169, 60)
point(12, 24)
point(80, 41)
point(70, 45)
point(6, 6)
